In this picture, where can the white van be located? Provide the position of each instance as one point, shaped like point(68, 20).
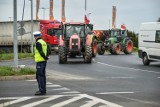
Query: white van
point(149, 42)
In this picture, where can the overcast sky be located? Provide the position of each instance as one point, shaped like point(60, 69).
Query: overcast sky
point(129, 12)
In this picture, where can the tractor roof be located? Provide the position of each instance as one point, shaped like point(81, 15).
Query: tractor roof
point(75, 23)
point(115, 29)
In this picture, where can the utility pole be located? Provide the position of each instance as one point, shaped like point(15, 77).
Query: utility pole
point(85, 5)
point(15, 33)
point(44, 11)
point(32, 26)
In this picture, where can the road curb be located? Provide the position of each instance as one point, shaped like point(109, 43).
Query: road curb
point(20, 77)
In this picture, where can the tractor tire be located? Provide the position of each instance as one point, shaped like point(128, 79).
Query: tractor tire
point(116, 49)
point(129, 47)
point(111, 51)
point(101, 51)
point(88, 54)
point(145, 59)
point(62, 55)
point(94, 48)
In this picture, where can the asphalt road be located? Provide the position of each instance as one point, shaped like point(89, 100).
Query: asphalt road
point(112, 80)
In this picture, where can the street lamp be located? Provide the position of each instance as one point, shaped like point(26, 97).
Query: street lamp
point(44, 11)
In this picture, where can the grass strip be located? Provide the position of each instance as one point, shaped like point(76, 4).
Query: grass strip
point(10, 71)
point(9, 56)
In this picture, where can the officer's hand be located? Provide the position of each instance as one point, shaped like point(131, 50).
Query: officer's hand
point(46, 58)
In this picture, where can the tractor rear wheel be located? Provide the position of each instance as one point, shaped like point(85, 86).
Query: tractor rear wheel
point(62, 55)
point(116, 49)
point(88, 54)
point(129, 47)
point(101, 49)
point(94, 47)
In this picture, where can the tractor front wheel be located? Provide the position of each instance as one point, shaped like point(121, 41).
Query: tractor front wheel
point(101, 49)
point(116, 49)
point(62, 55)
point(129, 47)
point(88, 54)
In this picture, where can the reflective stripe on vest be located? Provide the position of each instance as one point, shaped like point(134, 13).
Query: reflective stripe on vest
point(38, 57)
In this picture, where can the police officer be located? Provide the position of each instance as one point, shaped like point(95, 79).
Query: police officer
point(41, 53)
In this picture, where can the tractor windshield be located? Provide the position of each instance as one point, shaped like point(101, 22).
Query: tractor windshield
point(54, 32)
point(74, 30)
point(88, 30)
point(115, 33)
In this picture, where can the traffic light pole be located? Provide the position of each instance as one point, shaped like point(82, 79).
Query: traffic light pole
point(15, 33)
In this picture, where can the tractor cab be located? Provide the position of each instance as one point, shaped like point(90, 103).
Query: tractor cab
point(115, 32)
point(117, 35)
point(74, 29)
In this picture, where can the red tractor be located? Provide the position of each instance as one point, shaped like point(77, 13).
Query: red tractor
point(51, 31)
point(77, 40)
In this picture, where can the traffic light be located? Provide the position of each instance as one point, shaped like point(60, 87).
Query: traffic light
point(21, 30)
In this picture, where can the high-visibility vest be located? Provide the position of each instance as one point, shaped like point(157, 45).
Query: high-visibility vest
point(37, 56)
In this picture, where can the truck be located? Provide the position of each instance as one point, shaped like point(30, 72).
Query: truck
point(24, 41)
point(51, 30)
point(149, 42)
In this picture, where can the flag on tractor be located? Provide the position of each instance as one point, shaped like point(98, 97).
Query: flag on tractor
point(123, 27)
point(86, 18)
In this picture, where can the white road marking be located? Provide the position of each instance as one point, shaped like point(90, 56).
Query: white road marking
point(70, 92)
point(67, 101)
point(158, 77)
point(53, 86)
point(60, 89)
point(8, 98)
point(116, 93)
point(109, 104)
point(14, 101)
point(75, 97)
point(32, 80)
point(49, 83)
point(90, 103)
point(120, 77)
point(42, 101)
point(103, 106)
point(126, 67)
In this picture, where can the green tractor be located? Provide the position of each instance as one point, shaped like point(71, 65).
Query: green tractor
point(118, 41)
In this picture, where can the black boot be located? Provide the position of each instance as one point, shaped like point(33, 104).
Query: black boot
point(40, 93)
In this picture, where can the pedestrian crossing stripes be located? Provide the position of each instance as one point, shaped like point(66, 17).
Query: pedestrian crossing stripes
point(51, 101)
point(61, 96)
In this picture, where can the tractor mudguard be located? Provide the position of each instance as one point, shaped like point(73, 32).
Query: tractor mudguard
point(125, 40)
point(89, 40)
point(61, 41)
point(72, 38)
